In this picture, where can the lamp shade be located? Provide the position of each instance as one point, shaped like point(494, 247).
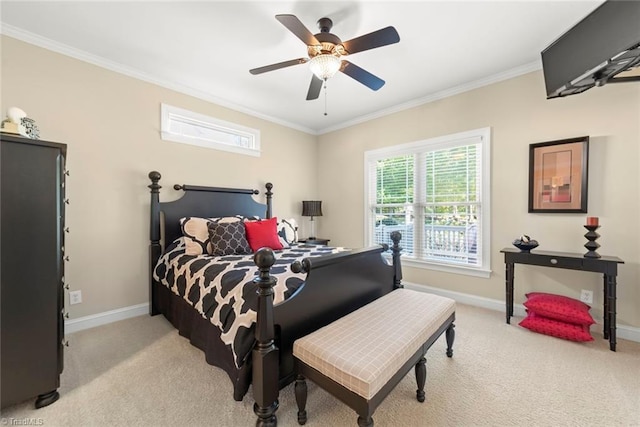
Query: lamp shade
point(311, 208)
point(324, 66)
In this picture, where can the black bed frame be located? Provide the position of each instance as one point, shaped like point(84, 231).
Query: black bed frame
point(335, 285)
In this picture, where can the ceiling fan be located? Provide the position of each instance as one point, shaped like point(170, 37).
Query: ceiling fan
point(326, 51)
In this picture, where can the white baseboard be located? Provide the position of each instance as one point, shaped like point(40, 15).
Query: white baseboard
point(86, 322)
point(75, 325)
point(622, 331)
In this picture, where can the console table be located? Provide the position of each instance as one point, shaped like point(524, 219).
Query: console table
point(608, 265)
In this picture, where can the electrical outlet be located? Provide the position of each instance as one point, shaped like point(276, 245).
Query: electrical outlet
point(75, 297)
point(586, 296)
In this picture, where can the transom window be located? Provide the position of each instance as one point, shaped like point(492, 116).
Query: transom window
point(436, 193)
point(188, 127)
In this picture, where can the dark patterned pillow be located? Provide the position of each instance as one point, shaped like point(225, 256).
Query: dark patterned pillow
point(196, 233)
point(228, 239)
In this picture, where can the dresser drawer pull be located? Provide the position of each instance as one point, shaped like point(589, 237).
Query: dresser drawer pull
point(554, 261)
point(65, 343)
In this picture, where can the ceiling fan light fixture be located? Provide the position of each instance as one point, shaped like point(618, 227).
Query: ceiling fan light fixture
point(325, 65)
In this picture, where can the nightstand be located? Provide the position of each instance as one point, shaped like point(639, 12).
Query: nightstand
point(316, 241)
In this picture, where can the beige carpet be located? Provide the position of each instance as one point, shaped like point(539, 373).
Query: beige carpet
point(140, 372)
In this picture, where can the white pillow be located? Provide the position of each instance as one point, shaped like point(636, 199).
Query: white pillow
point(288, 231)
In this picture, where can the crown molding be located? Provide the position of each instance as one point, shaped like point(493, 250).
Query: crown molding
point(45, 43)
point(81, 55)
point(505, 75)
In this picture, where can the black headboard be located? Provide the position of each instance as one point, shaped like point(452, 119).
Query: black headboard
point(204, 202)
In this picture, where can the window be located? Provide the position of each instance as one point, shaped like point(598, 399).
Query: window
point(187, 127)
point(436, 193)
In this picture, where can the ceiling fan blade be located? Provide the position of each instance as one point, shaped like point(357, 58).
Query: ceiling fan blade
point(279, 65)
point(361, 75)
point(314, 88)
point(294, 25)
point(379, 38)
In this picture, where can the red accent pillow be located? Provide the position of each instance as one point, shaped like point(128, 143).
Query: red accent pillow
point(559, 307)
point(263, 233)
point(555, 328)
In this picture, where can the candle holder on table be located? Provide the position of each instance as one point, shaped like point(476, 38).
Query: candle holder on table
point(592, 245)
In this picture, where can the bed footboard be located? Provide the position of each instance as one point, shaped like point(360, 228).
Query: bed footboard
point(335, 286)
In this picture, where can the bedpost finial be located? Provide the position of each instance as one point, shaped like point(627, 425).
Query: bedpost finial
point(155, 176)
point(298, 267)
point(301, 267)
point(396, 236)
point(397, 279)
point(269, 195)
point(264, 258)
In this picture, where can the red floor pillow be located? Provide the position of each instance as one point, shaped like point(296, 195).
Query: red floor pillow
point(558, 307)
point(556, 328)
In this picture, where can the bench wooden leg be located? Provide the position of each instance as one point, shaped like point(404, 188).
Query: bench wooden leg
point(421, 378)
point(450, 335)
point(301, 399)
point(365, 422)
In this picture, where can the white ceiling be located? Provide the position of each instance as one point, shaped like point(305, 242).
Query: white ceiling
point(206, 48)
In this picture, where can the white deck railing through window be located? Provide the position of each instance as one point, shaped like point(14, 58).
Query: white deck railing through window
point(441, 242)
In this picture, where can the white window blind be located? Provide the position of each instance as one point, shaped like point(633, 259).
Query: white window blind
point(188, 127)
point(436, 193)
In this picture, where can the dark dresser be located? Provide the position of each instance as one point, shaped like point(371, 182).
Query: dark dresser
point(32, 269)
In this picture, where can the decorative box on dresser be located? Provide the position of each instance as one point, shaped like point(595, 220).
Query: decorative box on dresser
point(32, 269)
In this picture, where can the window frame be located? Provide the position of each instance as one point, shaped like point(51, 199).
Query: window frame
point(432, 144)
point(169, 112)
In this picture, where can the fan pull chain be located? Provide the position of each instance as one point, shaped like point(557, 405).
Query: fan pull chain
point(325, 97)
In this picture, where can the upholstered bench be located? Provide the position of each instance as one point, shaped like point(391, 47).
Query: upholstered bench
point(361, 357)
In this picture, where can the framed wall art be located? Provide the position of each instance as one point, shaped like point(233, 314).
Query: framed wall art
point(558, 172)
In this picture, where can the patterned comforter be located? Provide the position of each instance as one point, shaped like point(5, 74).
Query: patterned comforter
point(221, 288)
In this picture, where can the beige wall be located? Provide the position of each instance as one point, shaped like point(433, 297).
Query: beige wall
point(519, 115)
point(111, 124)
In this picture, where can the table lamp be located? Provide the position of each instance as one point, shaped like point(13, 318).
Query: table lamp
point(312, 208)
